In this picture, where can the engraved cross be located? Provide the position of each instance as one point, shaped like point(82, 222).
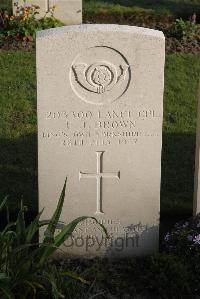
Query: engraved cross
point(99, 175)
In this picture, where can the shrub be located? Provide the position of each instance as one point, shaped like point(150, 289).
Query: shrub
point(184, 238)
point(184, 242)
point(24, 268)
point(184, 30)
point(24, 25)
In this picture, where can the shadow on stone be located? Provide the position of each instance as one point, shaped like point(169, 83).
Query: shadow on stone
point(135, 242)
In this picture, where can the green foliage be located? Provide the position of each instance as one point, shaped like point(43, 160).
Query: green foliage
point(104, 8)
point(162, 9)
point(24, 24)
point(184, 30)
point(182, 257)
point(6, 5)
point(172, 8)
point(22, 29)
point(24, 268)
point(27, 28)
point(167, 276)
point(179, 133)
point(184, 239)
point(18, 139)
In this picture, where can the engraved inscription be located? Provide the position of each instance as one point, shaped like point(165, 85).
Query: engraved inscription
point(89, 236)
point(99, 175)
point(102, 127)
point(100, 75)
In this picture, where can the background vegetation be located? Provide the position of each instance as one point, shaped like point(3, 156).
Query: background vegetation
point(174, 8)
point(6, 4)
point(162, 8)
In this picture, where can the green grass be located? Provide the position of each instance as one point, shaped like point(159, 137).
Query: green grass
point(162, 8)
point(179, 129)
point(6, 5)
point(159, 8)
point(18, 138)
point(18, 154)
point(107, 8)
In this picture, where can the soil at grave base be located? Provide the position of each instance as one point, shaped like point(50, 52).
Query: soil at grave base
point(172, 46)
point(114, 279)
point(13, 44)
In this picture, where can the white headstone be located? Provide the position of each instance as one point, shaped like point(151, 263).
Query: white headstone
point(196, 205)
point(100, 103)
point(67, 11)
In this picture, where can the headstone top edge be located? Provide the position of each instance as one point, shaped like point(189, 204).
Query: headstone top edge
point(100, 27)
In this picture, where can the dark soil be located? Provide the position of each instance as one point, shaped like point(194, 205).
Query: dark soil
point(132, 20)
point(111, 279)
point(176, 46)
point(13, 44)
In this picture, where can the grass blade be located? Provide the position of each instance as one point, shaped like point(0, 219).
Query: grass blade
point(69, 228)
point(66, 231)
point(3, 203)
point(8, 226)
point(20, 225)
point(6, 291)
point(33, 228)
point(49, 233)
point(75, 276)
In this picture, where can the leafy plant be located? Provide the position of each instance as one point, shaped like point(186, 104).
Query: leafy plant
point(24, 268)
point(184, 238)
point(24, 25)
point(184, 30)
point(183, 241)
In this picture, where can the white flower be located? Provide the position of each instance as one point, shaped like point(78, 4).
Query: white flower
point(167, 237)
point(197, 239)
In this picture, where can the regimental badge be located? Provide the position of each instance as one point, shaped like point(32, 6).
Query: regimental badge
point(97, 80)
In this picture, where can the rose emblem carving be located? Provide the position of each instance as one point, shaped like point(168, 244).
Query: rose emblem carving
point(100, 81)
point(99, 77)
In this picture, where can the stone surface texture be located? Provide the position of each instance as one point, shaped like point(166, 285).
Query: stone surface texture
point(67, 11)
point(100, 106)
